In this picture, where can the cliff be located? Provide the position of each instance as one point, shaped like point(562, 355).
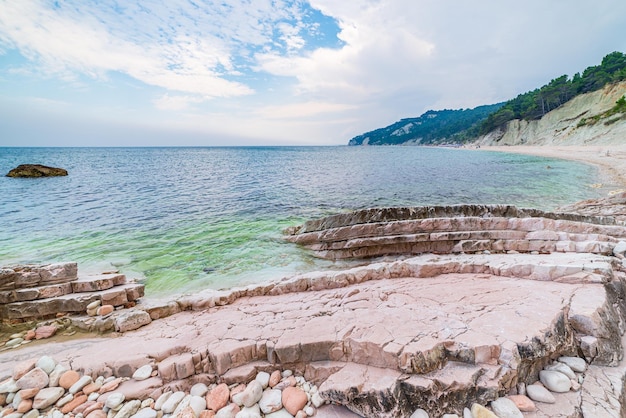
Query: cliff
point(581, 121)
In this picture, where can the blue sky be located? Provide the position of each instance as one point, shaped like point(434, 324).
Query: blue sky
point(276, 72)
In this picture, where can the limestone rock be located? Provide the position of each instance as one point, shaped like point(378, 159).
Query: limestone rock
point(218, 397)
point(575, 363)
point(271, 401)
point(539, 393)
point(555, 381)
point(131, 320)
point(36, 170)
point(47, 396)
point(293, 399)
point(505, 408)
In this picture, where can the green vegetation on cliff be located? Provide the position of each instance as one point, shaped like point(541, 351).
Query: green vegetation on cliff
point(459, 126)
point(534, 104)
point(433, 127)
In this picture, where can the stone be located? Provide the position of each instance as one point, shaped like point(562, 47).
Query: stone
point(161, 400)
point(577, 364)
point(249, 412)
point(74, 403)
point(14, 342)
point(218, 397)
point(467, 413)
point(274, 378)
point(30, 335)
point(317, 400)
point(80, 384)
point(199, 389)
point(68, 378)
point(172, 402)
point(22, 368)
point(523, 403)
point(33, 413)
point(64, 400)
point(36, 378)
point(28, 393)
point(479, 411)
point(207, 413)
point(143, 372)
point(294, 399)
point(620, 249)
point(251, 394)
point(229, 411)
point(110, 385)
point(131, 320)
point(539, 393)
point(45, 331)
point(36, 170)
point(94, 305)
point(145, 413)
point(284, 414)
point(197, 403)
point(129, 409)
point(271, 401)
point(47, 364)
point(92, 387)
point(563, 368)
point(98, 413)
point(555, 381)
point(114, 400)
point(56, 374)
point(505, 408)
point(105, 310)
point(419, 413)
point(186, 412)
point(47, 396)
point(263, 378)
point(24, 406)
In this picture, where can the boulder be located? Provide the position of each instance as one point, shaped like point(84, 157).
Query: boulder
point(36, 170)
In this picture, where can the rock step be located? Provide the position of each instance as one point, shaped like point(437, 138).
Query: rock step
point(84, 284)
point(71, 303)
point(27, 276)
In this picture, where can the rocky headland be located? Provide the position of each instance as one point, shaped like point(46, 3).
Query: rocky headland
point(466, 310)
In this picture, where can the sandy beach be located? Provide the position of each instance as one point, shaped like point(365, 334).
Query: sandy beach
point(610, 159)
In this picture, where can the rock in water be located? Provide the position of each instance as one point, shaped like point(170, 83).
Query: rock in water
point(36, 170)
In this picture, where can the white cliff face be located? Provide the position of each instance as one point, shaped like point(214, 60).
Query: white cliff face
point(561, 126)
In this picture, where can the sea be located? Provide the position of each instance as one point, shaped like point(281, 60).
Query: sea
point(185, 219)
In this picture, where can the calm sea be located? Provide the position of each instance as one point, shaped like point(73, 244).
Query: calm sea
point(190, 218)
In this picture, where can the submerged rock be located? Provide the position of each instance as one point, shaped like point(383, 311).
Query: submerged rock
point(36, 170)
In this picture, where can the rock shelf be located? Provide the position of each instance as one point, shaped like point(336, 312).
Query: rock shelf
point(43, 291)
point(465, 332)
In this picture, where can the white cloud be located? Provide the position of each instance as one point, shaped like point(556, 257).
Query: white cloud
point(167, 102)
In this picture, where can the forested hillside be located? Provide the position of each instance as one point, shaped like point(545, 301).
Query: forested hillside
point(433, 127)
point(459, 126)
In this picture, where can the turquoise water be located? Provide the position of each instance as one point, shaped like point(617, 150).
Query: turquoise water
point(189, 218)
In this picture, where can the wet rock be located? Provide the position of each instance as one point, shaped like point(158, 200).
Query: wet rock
point(36, 170)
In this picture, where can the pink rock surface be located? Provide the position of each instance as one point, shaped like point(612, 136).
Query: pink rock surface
point(218, 397)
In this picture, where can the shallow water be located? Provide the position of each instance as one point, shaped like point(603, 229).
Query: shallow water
point(190, 218)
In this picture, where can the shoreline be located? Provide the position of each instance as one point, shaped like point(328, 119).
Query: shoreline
point(609, 159)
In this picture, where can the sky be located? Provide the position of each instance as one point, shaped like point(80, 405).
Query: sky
point(276, 72)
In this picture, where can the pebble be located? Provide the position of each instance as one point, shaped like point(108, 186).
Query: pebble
point(555, 381)
point(229, 411)
point(251, 395)
point(539, 394)
point(249, 412)
point(523, 403)
point(94, 305)
point(575, 363)
point(218, 398)
point(80, 383)
point(274, 378)
point(68, 378)
point(114, 400)
point(479, 411)
point(563, 368)
point(161, 400)
point(55, 375)
point(271, 401)
point(172, 402)
point(294, 399)
point(47, 396)
point(263, 378)
point(143, 372)
point(279, 414)
point(199, 389)
point(129, 409)
point(287, 373)
point(419, 413)
point(47, 364)
point(36, 378)
point(505, 408)
point(145, 413)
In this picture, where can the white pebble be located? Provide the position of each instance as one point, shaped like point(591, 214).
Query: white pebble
point(64, 400)
point(172, 402)
point(93, 305)
point(263, 378)
point(158, 405)
point(563, 368)
point(287, 373)
point(575, 363)
point(47, 364)
point(317, 400)
point(82, 382)
point(419, 413)
point(114, 400)
point(93, 396)
point(143, 372)
point(199, 389)
point(539, 394)
point(555, 381)
point(505, 408)
point(145, 413)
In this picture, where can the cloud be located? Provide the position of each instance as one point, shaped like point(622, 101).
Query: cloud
point(167, 102)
